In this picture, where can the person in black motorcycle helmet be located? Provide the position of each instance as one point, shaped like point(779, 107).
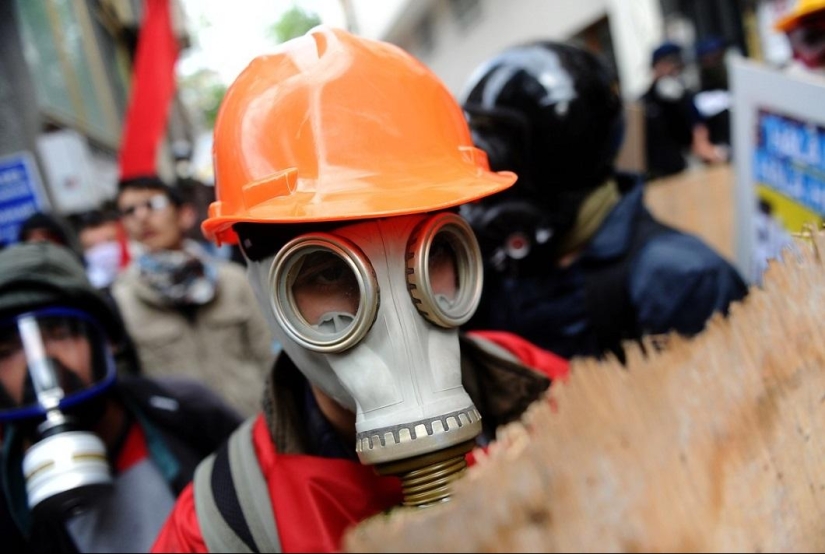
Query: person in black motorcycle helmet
point(574, 261)
point(552, 98)
point(91, 462)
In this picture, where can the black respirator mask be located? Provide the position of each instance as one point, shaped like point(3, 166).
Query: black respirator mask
point(517, 229)
point(55, 365)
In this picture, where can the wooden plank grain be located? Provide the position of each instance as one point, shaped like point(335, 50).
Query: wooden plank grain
point(710, 444)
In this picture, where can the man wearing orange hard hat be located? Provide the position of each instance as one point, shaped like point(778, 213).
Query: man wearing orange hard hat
point(340, 164)
point(804, 26)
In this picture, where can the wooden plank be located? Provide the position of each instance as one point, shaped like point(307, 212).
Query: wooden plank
point(714, 444)
point(699, 201)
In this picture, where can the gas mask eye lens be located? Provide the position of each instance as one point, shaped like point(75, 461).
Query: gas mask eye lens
point(325, 295)
point(325, 289)
point(444, 270)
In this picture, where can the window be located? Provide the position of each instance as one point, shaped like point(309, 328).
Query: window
point(73, 81)
point(424, 36)
point(465, 12)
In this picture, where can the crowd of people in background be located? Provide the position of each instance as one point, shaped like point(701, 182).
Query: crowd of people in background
point(681, 125)
point(188, 311)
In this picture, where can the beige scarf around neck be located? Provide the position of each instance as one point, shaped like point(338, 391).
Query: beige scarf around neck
point(592, 213)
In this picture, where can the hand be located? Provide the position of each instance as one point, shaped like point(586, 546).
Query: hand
point(705, 150)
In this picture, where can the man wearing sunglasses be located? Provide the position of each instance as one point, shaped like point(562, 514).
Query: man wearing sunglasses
point(340, 165)
point(804, 26)
point(188, 313)
point(91, 460)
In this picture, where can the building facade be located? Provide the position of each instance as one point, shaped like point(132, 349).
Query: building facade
point(454, 36)
point(64, 90)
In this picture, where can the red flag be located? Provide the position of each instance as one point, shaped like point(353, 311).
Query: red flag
point(153, 85)
point(123, 241)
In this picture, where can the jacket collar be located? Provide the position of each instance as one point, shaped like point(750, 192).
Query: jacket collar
point(613, 238)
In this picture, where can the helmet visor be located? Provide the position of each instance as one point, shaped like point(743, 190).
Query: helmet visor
point(51, 359)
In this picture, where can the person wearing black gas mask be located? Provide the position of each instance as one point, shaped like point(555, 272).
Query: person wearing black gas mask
point(574, 261)
point(91, 462)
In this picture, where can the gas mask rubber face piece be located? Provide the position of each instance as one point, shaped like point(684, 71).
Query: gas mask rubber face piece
point(54, 364)
point(370, 313)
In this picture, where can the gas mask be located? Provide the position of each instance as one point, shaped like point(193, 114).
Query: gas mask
point(515, 235)
point(54, 366)
point(369, 313)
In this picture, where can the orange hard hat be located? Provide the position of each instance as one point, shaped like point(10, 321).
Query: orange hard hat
point(333, 127)
point(802, 9)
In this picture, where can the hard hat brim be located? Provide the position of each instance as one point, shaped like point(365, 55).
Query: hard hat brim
point(787, 23)
point(365, 197)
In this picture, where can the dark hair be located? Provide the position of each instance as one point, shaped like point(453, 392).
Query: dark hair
point(150, 182)
point(260, 240)
point(94, 218)
point(58, 230)
point(710, 45)
point(666, 50)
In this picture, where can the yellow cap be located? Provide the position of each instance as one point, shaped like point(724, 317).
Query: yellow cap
point(802, 9)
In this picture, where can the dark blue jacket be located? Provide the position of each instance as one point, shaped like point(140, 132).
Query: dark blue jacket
point(669, 127)
point(668, 280)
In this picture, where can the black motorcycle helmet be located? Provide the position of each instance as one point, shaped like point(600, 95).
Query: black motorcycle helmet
point(551, 113)
point(559, 110)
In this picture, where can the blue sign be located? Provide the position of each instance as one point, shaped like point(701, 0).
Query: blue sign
point(20, 194)
point(790, 158)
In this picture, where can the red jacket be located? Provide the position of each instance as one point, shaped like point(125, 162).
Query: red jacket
point(316, 499)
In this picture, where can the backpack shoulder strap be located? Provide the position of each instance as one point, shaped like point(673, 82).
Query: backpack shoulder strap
point(606, 285)
point(232, 499)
